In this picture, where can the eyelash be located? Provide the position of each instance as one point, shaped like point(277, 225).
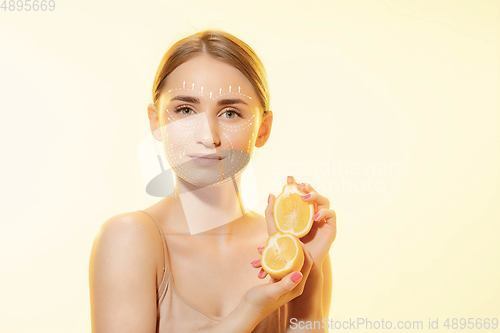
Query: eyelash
point(181, 107)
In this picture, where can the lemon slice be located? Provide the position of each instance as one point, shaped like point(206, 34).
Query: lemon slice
point(281, 255)
point(292, 214)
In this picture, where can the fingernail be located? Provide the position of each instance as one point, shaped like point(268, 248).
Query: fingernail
point(262, 273)
point(296, 277)
point(254, 262)
point(306, 196)
point(260, 247)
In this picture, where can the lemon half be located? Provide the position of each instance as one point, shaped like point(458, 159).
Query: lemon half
point(281, 255)
point(292, 214)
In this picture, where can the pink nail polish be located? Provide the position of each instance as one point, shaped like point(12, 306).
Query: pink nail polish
point(255, 262)
point(315, 216)
point(296, 277)
point(306, 196)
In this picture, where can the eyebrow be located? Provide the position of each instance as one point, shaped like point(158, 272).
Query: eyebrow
point(196, 100)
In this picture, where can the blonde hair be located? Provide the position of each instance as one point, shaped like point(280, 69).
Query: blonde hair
point(221, 46)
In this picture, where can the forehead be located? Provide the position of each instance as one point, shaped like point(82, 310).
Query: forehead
point(208, 75)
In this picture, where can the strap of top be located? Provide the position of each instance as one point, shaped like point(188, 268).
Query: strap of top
point(165, 255)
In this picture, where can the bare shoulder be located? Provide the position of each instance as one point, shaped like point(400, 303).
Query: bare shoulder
point(126, 237)
point(132, 230)
point(122, 270)
point(125, 221)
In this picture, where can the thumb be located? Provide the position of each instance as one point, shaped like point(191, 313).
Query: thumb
point(286, 284)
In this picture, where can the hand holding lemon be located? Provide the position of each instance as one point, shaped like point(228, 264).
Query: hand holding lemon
point(301, 228)
point(298, 212)
point(292, 218)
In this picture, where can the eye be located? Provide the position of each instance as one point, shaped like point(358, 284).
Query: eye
point(184, 110)
point(231, 114)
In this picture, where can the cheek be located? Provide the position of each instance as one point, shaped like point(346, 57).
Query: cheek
point(177, 139)
point(241, 139)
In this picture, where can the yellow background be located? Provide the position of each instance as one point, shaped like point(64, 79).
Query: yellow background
point(390, 108)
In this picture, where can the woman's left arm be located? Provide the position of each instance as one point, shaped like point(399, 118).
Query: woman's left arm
point(313, 306)
point(314, 303)
point(309, 311)
point(327, 286)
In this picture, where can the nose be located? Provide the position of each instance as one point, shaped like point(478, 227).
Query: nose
point(209, 134)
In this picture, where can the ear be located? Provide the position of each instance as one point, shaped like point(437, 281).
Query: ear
point(265, 128)
point(154, 121)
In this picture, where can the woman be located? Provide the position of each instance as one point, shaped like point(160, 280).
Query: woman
point(185, 264)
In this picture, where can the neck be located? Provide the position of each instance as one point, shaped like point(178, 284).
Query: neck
point(215, 209)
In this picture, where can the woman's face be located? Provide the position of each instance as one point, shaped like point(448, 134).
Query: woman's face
point(210, 120)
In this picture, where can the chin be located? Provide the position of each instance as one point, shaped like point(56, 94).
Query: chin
point(202, 176)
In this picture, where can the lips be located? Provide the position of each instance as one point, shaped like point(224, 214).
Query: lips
point(207, 156)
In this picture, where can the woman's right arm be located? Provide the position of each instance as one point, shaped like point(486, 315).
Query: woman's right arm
point(122, 276)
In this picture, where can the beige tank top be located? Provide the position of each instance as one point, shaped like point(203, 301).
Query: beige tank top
point(176, 315)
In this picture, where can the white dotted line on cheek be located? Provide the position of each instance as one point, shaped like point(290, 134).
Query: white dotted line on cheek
point(231, 155)
point(172, 149)
point(231, 148)
point(250, 142)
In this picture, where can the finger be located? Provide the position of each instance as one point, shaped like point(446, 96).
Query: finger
point(262, 273)
point(286, 284)
point(260, 248)
point(326, 215)
point(256, 263)
point(271, 227)
point(305, 187)
point(314, 196)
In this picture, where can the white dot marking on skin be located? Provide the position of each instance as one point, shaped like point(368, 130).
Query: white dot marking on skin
point(211, 93)
point(232, 164)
